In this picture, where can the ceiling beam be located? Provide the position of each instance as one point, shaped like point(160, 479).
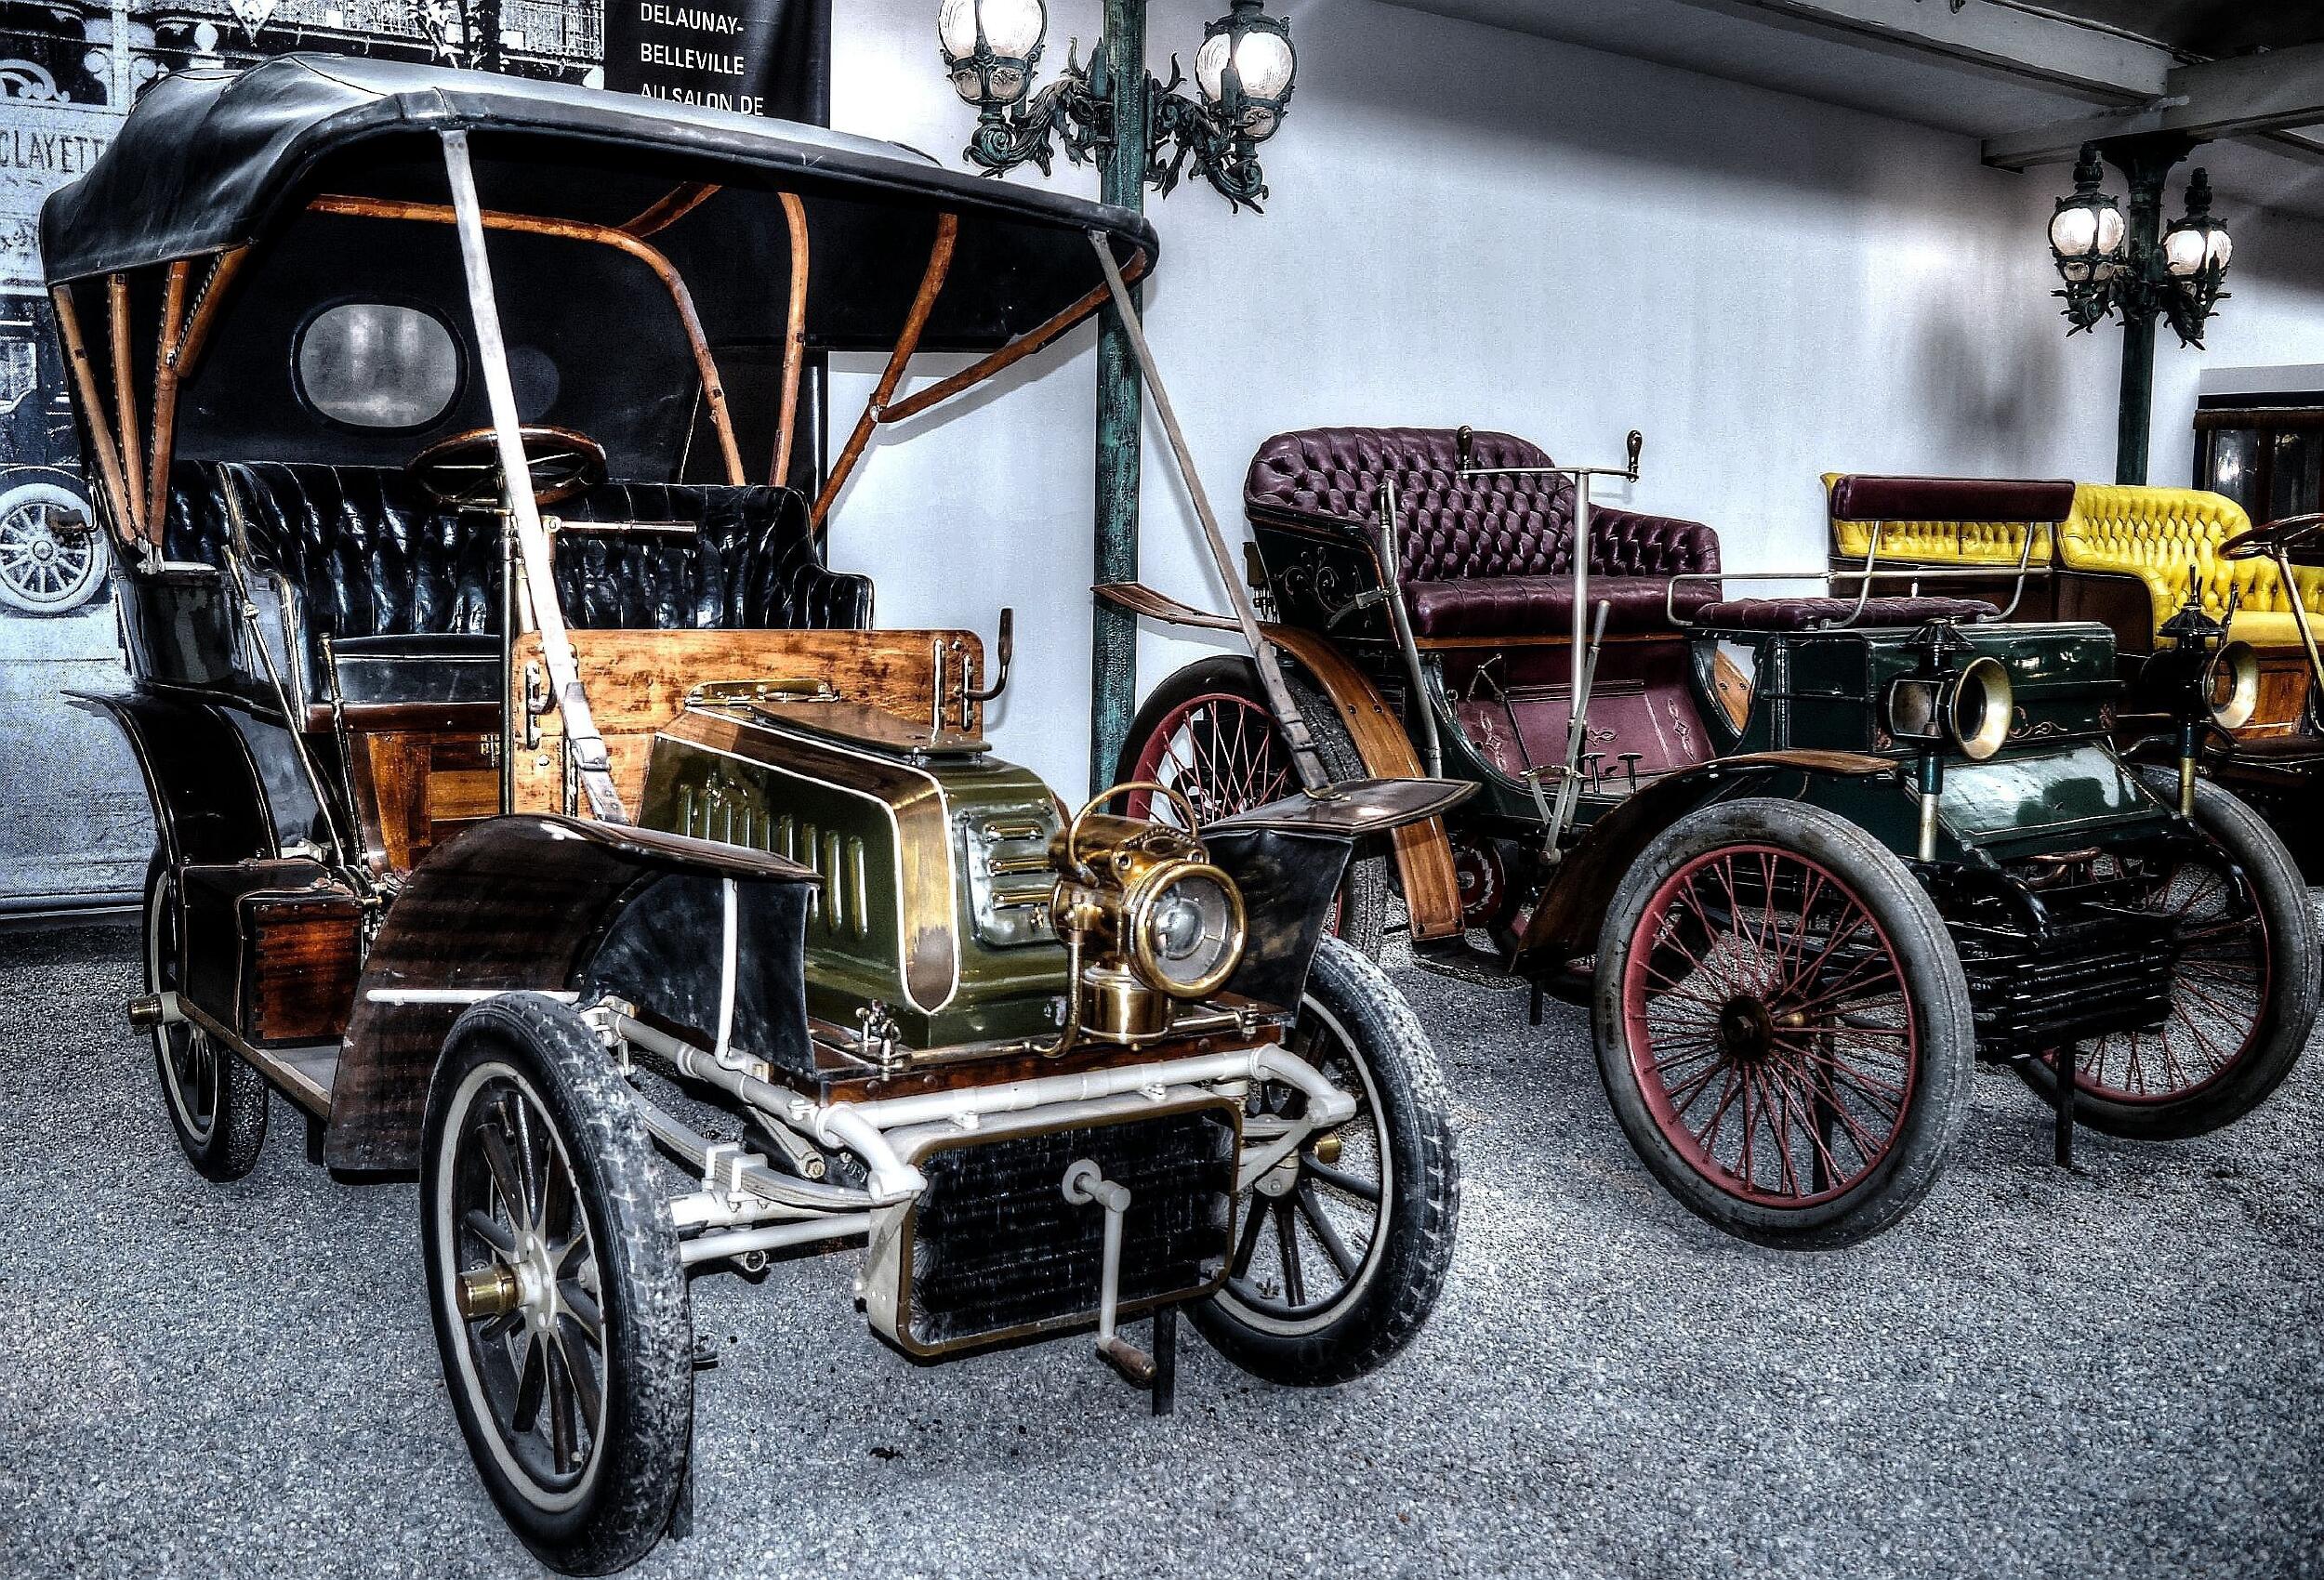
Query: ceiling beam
point(2275, 95)
point(2022, 44)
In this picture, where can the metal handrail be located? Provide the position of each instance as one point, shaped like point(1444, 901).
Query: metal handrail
point(1871, 571)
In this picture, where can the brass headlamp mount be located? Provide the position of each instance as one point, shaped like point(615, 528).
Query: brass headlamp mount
point(1959, 701)
point(1147, 920)
point(2204, 679)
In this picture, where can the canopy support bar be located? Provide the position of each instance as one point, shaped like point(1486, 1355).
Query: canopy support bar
point(93, 410)
point(794, 341)
point(582, 741)
point(923, 303)
point(713, 388)
point(1314, 778)
point(165, 394)
point(1024, 346)
point(125, 405)
point(183, 331)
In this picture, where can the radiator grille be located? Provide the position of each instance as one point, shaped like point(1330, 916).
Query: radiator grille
point(996, 1252)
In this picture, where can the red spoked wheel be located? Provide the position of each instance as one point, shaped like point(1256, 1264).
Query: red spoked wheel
point(2244, 986)
point(1784, 1028)
point(1207, 733)
point(1221, 750)
point(1770, 1027)
point(2218, 993)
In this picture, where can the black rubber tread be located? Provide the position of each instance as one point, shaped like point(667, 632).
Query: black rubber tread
point(238, 1139)
point(1369, 892)
point(648, 1318)
point(2297, 984)
point(1903, 910)
point(1415, 1117)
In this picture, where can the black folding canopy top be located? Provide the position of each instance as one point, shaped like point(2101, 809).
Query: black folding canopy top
point(212, 161)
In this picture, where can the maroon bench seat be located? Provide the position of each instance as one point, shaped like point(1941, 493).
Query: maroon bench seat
point(1489, 557)
point(1813, 613)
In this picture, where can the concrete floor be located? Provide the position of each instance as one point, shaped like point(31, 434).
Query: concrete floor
point(2116, 1371)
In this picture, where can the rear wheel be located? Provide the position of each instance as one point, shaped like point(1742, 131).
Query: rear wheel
point(1206, 732)
point(216, 1103)
point(1340, 1251)
point(560, 1309)
point(1783, 1026)
point(2244, 988)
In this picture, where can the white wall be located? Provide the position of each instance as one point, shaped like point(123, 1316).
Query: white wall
point(1474, 226)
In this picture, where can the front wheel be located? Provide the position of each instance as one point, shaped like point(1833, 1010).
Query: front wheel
point(1782, 1024)
point(560, 1309)
point(1340, 1251)
point(2244, 986)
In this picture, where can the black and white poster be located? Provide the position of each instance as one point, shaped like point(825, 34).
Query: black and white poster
point(73, 824)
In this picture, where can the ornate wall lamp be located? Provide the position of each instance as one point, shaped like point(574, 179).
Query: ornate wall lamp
point(2133, 268)
point(1243, 74)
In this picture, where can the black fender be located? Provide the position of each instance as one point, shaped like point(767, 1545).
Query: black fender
point(209, 802)
point(563, 905)
point(1563, 927)
point(1288, 858)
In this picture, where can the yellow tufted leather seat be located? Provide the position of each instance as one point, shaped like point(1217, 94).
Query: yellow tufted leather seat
point(1943, 543)
point(2150, 534)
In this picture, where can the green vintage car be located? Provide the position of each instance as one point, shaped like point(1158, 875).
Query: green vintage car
point(538, 809)
point(1807, 858)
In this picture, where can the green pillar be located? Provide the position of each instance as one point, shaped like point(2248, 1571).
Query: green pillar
point(1113, 634)
point(2135, 421)
point(2145, 163)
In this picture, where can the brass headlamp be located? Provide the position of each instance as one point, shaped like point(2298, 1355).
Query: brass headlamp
point(1147, 918)
point(2222, 682)
point(1967, 708)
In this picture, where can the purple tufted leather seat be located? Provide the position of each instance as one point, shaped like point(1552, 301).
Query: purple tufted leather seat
point(1814, 613)
point(1487, 555)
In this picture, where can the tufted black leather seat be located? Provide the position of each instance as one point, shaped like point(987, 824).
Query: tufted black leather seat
point(367, 554)
point(1483, 556)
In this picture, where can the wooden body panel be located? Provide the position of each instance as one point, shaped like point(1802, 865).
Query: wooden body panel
point(300, 966)
point(415, 789)
point(270, 950)
point(1424, 859)
point(638, 682)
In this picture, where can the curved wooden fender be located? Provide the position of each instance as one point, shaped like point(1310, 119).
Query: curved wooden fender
point(1424, 859)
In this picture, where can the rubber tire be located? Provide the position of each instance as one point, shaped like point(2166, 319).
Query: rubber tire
point(648, 1318)
point(58, 498)
point(1903, 910)
point(1367, 893)
point(1414, 1115)
point(237, 1137)
point(2296, 985)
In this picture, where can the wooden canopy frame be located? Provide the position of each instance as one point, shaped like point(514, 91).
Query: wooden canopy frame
point(133, 458)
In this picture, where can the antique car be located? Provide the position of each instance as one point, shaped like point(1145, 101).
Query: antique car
point(537, 810)
point(51, 559)
point(2188, 588)
point(1807, 858)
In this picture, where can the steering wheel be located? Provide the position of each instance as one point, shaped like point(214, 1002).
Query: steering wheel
point(2299, 538)
point(464, 470)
